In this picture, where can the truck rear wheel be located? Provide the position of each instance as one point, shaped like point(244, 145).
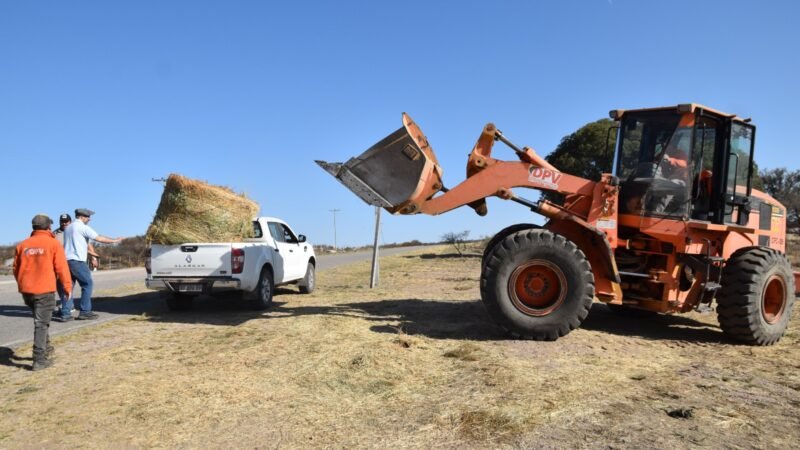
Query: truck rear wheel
point(262, 296)
point(309, 281)
point(537, 284)
point(757, 295)
point(179, 302)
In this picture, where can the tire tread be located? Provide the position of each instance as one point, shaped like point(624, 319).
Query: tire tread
point(529, 237)
point(739, 299)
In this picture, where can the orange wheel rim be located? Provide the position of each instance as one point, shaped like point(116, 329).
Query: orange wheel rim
point(773, 301)
point(537, 287)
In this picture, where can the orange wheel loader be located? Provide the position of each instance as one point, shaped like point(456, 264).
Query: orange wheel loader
point(676, 227)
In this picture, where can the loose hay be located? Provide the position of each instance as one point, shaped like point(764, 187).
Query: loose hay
point(195, 211)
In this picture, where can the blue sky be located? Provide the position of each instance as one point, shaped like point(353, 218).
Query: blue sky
point(97, 98)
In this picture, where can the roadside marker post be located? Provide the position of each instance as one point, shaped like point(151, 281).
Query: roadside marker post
point(373, 281)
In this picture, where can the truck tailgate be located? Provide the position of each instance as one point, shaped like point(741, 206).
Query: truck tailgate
point(191, 260)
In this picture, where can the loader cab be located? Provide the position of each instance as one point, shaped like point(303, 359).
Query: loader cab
point(685, 162)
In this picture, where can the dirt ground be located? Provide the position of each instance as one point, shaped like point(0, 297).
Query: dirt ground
point(415, 363)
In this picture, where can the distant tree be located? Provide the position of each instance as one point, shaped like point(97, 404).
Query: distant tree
point(784, 185)
point(757, 183)
point(586, 153)
point(458, 240)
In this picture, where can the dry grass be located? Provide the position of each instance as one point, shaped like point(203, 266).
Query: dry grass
point(195, 211)
point(413, 364)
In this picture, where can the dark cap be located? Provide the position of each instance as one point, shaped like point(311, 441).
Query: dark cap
point(41, 222)
point(83, 212)
point(65, 218)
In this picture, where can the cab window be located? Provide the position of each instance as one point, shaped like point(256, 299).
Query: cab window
point(644, 143)
point(737, 181)
point(705, 144)
point(281, 233)
point(257, 232)
point(739, 162)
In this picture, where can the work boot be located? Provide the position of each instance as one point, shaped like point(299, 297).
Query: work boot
point(43, 363)
point(88, 316)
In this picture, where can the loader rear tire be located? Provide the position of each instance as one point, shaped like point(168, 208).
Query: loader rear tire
point(757, 296)
point(537, 285)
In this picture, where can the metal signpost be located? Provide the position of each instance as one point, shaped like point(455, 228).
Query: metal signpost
point(373, 281)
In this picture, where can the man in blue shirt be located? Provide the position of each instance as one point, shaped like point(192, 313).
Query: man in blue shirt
point(76, 247)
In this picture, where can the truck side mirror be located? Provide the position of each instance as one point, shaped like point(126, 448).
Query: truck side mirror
point(301, 238)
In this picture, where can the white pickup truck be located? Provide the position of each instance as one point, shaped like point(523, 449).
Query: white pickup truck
point(252, 268)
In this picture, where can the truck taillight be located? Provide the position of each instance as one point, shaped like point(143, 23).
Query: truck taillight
point(237, 260)
point(147, 261)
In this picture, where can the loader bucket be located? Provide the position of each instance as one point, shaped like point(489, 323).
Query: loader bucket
point(398, 173)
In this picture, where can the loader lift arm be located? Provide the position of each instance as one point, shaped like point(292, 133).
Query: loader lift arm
point(404, 162)
point(487, 176)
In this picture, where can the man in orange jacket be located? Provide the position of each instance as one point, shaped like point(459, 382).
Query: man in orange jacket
point(38, 262)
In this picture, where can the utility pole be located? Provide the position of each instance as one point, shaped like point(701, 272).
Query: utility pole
point(373, 281)
point(334, 211)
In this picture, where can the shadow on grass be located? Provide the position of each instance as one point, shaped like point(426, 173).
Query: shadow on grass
point(436, 319)
point(469, 320)
point(431, 318)
point(9, 358)
point(224, 309)
point(653, 326)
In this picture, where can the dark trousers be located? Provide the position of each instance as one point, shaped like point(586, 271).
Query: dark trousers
point(42, 306)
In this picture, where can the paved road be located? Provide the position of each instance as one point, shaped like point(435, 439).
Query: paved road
point(16, 325)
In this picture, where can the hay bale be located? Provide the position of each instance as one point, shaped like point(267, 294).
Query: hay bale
point(195, 211)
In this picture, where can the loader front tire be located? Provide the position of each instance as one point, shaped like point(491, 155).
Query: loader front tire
point(537, 285)
point(757, 295)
